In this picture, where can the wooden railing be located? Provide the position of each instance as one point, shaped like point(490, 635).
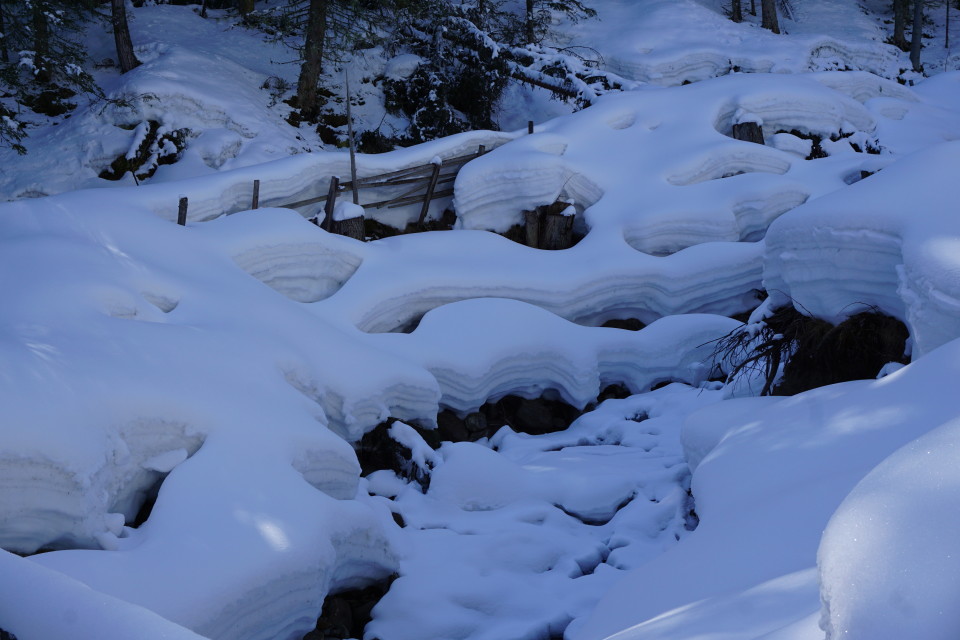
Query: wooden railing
point(423, 183)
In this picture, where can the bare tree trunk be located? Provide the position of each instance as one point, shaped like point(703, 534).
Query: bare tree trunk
point(736, 12)
point(244, 7)
point(41, 40)
point(121, 36)
point(916, 37)
point(4, 57)
point(529, 22)
point(312, 59)
point(753, 7)
point(900, 25)
point(768, 12)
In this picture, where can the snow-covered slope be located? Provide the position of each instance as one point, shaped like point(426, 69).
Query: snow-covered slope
point(237, 360)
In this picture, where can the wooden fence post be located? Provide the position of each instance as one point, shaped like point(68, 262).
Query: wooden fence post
point(482, 149)
point(531, 225)
point(529, 126)
point(431, 186)
point(255, 203)
point(182, 212)
point(331, 203)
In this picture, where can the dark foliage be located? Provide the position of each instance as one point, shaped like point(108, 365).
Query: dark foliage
point(812, 352)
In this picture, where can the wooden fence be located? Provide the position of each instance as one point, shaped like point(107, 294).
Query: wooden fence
point(546, 227)
point(420, 184)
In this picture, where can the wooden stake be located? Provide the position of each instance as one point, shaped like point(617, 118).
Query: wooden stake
point(429, 195)
point(331, 203)
point(529, 126)
point(531, 225)
point(482, 149)
point(353, 145)
point(255, 204)
point(182, 212)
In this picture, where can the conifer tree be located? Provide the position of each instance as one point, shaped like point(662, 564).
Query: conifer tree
point(42, 58)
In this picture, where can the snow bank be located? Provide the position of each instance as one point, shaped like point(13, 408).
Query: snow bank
point(519, 349)
point(888, 559)
point(758, 539)
point(653, 41)
point(658, 168)
point(886, 242)
point(386, 294)
point(36, 602)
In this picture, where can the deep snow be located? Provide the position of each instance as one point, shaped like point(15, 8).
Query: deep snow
point(237, 359)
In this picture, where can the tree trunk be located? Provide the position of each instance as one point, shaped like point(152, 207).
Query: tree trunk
point(312, 59)
point(736, 13)
point(900, 25)
point(529, 23)
point(768, 13)
point(753, 7)
point(244, 7)
point(4, 57)
point(41, 41)
point(121, 35)
point(916, 37)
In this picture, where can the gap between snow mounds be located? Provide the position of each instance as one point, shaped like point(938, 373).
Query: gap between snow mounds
point(387, 294)
point(489, 545)
point(277, 247)
point(629, 180)
point(513, 348)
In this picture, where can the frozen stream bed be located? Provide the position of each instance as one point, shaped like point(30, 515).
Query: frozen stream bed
point(518, 535)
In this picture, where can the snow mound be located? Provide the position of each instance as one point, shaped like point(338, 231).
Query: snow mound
point(888, 558)
point(653, 41)
point(519, 349)
point(657, 167)
point(756, 544)
point(386, 295)
point(877, 244)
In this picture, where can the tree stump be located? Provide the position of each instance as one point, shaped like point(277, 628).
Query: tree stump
point(748, 132)
point(550, 226)
point(351, 227)
point(347, 220)
point(557, 231)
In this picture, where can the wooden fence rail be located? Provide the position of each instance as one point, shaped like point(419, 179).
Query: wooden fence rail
point(422, 180)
